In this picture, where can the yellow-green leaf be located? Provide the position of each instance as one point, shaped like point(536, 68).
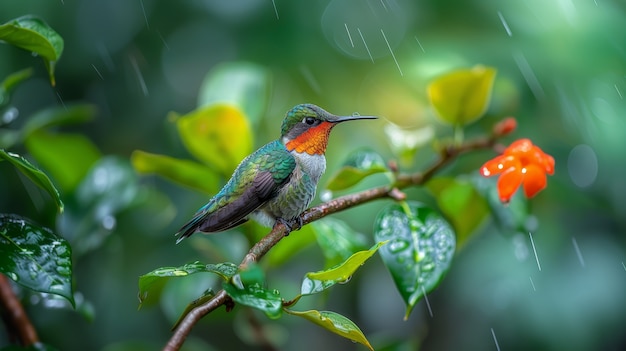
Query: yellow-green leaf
point(336, 323)
point(185, 172)
point(242, 84)
point(218, 135)
point(462, 96)
point(315, 282)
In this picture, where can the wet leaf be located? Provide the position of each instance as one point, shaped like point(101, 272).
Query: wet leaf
point(33, 34)
point(336, 323)
point(218, 135)
point(315, 282)
point(184, 172)
point(461, 204)
point(255, 296)
point(59, 116)
point(358, 165)
point(420, 249)
point(34, 257)
point(66, 157)
point(337, 240)
point(151, 283)
point(34, 174)
point(241, 84)
point(462, 96)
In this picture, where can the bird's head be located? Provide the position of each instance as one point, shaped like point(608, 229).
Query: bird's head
point(306, 128)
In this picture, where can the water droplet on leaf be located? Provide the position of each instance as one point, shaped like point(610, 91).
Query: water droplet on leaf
point(398, 245)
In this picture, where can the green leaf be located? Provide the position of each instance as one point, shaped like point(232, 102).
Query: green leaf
point(358, 165)
point(255, 296)
point(336, 323)
point(287, 249)
point(58, 116)
point(218, 135)
point(10, 82)
point(33, 34)
point(462, 96)
point(67, 157)
point(337, 240)
point(315, 282)
point(420, 250)
point(461, 204)
point(405, 142)
point(242, 84)
point(109, 187)
point(512, 218)
point(34, 174)
point(151, 283)
point(34, 257)
point(185, 172)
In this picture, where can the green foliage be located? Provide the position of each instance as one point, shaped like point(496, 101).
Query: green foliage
point(34, 174)
point(184, 172)
point(337, 240)
point(35, 257)
point(7, 86)
point(336, 323)
point(33, 34)
point(462, 96)
point(109, 188)
point(420, 250)
point(67, 157)
point(315, 282)
point(286, 250)
point(126, 223)
point(151, 284)
point(218, 135)
point(241, 84)
point(461, 203)
point(255, 296)
point(358, 165)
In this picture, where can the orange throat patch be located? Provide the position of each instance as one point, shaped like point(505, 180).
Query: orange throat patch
point(313, 141)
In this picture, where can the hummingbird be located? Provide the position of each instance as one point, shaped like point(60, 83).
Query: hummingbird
point(278, 181)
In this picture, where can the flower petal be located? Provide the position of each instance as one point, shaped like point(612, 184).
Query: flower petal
point(548, 164)
point(499, 164)
point(519, 147)
point(535, 180)
point(508, 183)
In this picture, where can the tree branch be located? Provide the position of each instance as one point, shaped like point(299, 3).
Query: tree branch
point(314, 213)
point(16, 318)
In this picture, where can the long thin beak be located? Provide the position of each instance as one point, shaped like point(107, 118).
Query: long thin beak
point(351, 118)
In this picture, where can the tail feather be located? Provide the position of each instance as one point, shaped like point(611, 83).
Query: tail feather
point(193, 225)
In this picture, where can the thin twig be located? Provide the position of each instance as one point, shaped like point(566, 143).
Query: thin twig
point(17, 320)
point(312, 214)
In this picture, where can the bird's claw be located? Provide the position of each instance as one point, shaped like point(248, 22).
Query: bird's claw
point(291, 225)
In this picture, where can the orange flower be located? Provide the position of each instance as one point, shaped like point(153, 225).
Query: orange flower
point(521, 163)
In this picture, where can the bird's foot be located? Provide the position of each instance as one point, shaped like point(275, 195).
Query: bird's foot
point(291, 225)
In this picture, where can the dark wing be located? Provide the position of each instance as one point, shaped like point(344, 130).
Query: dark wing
point(255, 181)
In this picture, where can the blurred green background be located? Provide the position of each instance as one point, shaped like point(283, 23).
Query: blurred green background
point(561, 72)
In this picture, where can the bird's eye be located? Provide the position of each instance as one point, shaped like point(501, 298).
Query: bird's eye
point(309, 120)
